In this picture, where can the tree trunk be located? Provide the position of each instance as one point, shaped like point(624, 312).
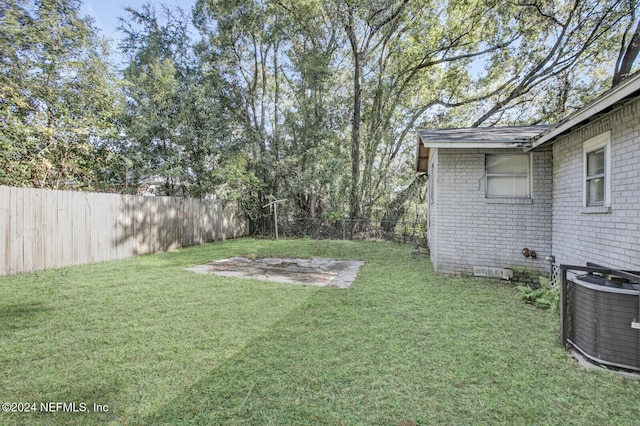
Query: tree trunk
point(354, 198)
point(397, 207)
point(312, 205)
point(354, 211)
point(276, 119)
point(626, 59)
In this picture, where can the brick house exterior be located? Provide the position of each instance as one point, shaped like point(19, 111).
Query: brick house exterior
point(576, 199)
point(608, 235)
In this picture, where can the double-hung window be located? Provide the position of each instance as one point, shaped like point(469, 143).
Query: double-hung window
point(597, 167)
point(508, 175)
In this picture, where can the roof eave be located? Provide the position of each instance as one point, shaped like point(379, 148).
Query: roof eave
point(482, 145)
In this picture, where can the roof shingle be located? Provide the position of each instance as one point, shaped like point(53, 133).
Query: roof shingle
point(481, 135)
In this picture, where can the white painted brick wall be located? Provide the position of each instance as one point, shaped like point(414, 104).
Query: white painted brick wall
point(467, 229)
point(433, 205)
point(611, 239)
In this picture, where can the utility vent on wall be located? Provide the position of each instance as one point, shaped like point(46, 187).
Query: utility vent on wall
point(483, 271)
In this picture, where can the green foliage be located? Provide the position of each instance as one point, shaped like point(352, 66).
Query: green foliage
point(560, 51)
point(315, 101)
point(335, 80)
point(176, 127)
point(544, 297)
point(58, 95)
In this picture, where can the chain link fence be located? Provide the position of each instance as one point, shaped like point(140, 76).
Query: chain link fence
point(408, 232)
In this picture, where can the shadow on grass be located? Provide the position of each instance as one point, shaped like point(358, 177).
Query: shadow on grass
point(252, 387)
point(19, 316)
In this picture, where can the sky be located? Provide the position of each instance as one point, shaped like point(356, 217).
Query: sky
point(107, 12)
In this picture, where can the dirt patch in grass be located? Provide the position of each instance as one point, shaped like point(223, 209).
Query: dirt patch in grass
point(314, 271)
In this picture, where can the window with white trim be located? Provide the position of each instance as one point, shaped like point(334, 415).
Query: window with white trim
point(597, 171)
point(508, 175)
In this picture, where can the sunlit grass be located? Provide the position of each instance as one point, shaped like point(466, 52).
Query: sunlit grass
point(158, 344)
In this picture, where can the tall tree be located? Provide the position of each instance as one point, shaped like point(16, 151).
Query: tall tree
point(57, 93)
point(363, 24)
point(349, 81)
point(407, 59)
point(313, 126)
point(554, 39)
point(245, 41)
point(175, 126)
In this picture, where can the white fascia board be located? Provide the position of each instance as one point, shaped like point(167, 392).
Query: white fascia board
point(480, 145)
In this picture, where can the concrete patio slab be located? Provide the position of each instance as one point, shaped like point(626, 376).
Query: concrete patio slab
point(314, 271)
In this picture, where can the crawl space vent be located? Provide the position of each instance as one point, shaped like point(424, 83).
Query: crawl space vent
point(501, 273)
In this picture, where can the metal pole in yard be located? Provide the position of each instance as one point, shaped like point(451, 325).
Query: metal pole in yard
point(275, 217)
point(275, 210)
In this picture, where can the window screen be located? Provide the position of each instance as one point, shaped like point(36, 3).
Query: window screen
point(595, 177)
point(507, 175)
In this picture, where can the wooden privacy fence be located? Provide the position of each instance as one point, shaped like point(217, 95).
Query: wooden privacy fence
point(43, 228)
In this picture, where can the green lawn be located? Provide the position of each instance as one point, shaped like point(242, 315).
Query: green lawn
point(160, 345)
